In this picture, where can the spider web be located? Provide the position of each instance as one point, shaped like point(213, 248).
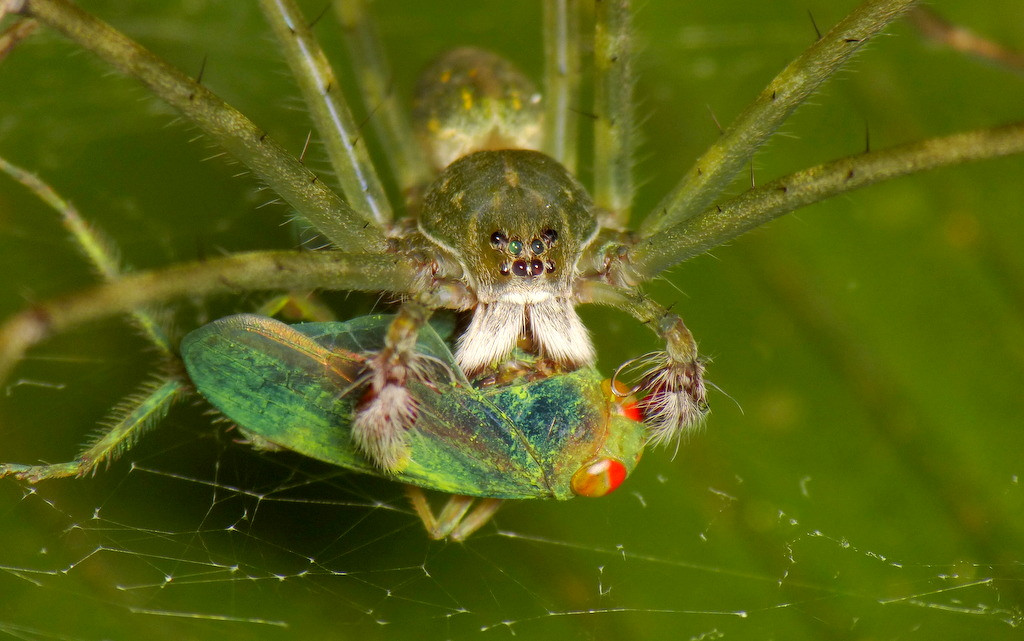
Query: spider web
point(869, 489)
point(242, 545)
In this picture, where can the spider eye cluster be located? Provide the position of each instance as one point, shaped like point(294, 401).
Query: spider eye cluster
point(515, 220)
point(524, 258)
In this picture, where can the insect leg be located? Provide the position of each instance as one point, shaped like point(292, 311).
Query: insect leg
point(295, 306)
point(475, 519)
point(453, 511)
point(456, 520)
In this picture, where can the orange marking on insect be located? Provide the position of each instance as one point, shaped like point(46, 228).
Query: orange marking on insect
point(623, 402)
point(599, 478)
point(631, 410)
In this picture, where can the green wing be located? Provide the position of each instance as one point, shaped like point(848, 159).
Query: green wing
point(295, 386)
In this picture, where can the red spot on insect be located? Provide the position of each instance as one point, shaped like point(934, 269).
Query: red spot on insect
point(623, 402)
point(631, 410)
point(599, 478)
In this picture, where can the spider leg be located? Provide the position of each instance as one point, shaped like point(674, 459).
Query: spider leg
point(100, 253)
point(296, 306)
point(345, 144)
point(388, 409)
point(128, 421)
point(137, 413)
point(561, 81)
point(934, 27)
point(672, 383)
point(252, 271)
point(713, 171)
point(390, 119)
point(347, 228)
point(613, 112)
point(456, 521)
point(15, 33)
point(720, 223)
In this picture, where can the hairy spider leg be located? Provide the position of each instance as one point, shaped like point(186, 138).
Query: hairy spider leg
point(613, 112)
point(390, 119)
point(248, 271)
point(388, 409)
point(674, 401)
point(144, 408)
point(348, 228)
point(562, 73)
point(674, 397)
point(335, 126)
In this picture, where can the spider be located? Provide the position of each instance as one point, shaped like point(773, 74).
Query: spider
point(489, 219)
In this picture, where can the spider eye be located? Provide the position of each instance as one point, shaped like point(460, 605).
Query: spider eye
point(537, 246)
point(519, 268)
point(549, 236)
point(536, 267)
point(598, 478)
point(550, 266)
point(505, 269)
point(515, 247)
point(498, 238)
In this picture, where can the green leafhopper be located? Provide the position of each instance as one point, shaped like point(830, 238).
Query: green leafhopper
point(298, 387)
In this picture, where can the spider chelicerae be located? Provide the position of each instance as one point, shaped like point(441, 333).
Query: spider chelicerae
point(489, 221)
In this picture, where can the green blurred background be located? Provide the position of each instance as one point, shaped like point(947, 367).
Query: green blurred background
point(859, 477)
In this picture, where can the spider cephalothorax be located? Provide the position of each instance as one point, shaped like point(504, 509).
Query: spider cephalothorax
point(516, 223)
